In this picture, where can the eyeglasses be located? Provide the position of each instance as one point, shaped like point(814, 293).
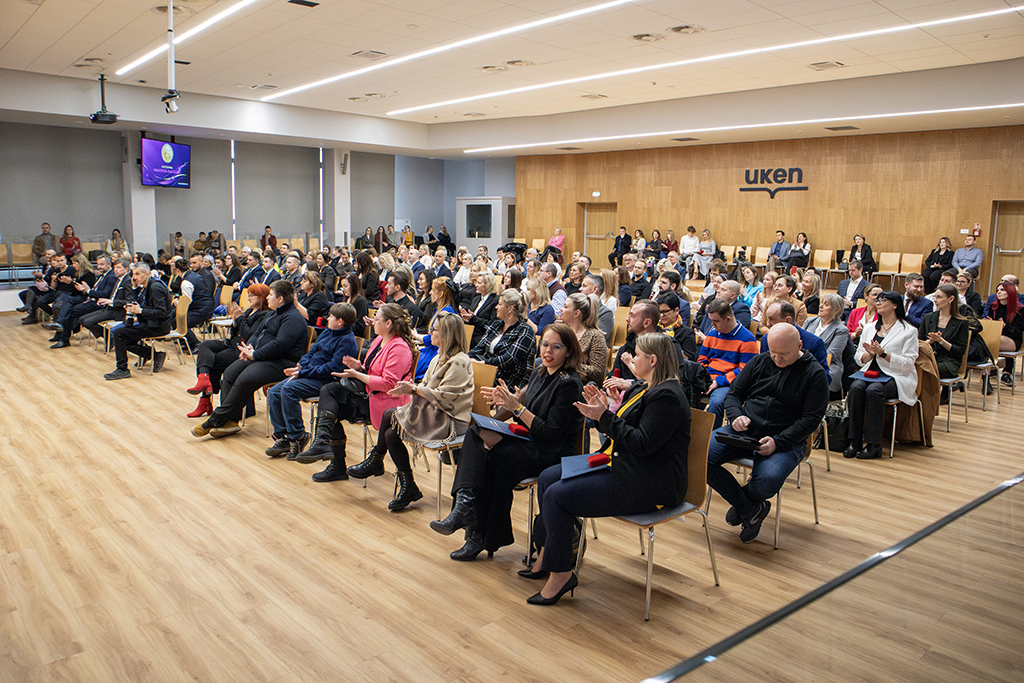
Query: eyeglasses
point(553, 347)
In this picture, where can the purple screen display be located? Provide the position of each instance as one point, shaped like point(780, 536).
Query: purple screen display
point(165, 164)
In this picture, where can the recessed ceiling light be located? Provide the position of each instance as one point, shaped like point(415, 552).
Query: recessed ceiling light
point(825, 66)
point(518, 63)
point(686, 29)
point(750, 126)
point(453, 45)
point(711, 58)
point(374, 96)
point(493, 68)
point(263, 86)
point(838, 128)
point(93, 60)
point(648, 37)
point(304, 3)
point(178, 10)
point(142, 81)
point(372, 55)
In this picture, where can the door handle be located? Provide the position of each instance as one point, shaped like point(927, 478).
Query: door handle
point(1000, 250)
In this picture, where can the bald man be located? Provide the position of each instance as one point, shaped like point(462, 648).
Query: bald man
point(779, 399)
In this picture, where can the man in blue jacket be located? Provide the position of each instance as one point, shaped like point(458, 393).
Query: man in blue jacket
point(305, 380)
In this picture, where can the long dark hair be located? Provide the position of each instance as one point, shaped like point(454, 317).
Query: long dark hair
point(574, 355)
point(897, 301)
point(355, 286)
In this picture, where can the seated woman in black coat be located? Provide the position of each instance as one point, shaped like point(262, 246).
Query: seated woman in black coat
point(482, 307)
point(491, 465)
point(311, 299)
point(262, 360)
point(947, 331)
point(937, 263)
point(214, 356)
point(351, 292)
point(648, 440)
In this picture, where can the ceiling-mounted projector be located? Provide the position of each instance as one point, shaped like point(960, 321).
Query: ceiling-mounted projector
point(103, 116)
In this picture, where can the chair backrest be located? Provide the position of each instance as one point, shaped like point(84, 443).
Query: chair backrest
point(469, 334)
point(911, 263)
point(181, 315)
point(888, 262)
point(962, 372)
point(729, 252)
point(754, 326)
point(4, 256)
point(539, 244)
point(226, 293)
point(823, 259)
point(252, 244)
point(620, 315)
point(310, 338)
point(701, 426)
point(368, 330)
point(22, 253)
point(314, 244)
point(761, 254)
point(237, 244)
point(91, 246)
point(243, 299)
point(991, 332)
point(483, 376)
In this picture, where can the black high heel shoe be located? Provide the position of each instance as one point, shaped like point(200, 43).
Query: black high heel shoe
point(530, 574)
point(569, 587)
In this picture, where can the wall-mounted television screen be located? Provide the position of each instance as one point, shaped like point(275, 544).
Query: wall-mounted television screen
point(166, 164)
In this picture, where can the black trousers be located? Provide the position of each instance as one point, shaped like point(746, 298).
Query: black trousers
point(43, 302)
point(240, 381)
point(615, 258)
point(70, 320)
point(126, 338)
point(492, 476)
point(91, 321)
point(343, 405)
point(866, 401)
point(213, 357)
point(195, 320)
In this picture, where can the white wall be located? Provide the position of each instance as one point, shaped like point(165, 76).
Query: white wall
point(61, 176)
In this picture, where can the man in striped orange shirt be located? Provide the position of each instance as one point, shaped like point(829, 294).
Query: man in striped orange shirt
point(727, 347)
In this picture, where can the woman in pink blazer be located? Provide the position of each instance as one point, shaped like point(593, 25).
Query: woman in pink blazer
point(388, 362)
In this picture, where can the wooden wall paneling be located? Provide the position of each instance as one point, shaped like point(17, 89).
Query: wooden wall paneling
point(903, 191)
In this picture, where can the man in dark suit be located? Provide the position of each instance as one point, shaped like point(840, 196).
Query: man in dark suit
point(914, 301)
point(151, 314)
point(852, 288)
point(253, 274)
point(272, 274)
point(623, 243)
point(441, 269)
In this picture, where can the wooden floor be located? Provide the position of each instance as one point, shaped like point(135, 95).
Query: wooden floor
point(132, 551)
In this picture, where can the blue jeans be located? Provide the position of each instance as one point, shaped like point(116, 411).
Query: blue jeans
point(716, 404)
point(285, 409)
point(768, 476)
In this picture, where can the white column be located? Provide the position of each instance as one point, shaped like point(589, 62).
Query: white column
point(337, 196)
point(139, 201)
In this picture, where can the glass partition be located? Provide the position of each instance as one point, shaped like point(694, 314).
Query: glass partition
point(945, 604)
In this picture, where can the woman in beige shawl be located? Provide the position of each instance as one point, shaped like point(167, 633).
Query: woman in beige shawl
point(440, 406)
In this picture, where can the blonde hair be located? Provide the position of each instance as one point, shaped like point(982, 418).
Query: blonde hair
point(539, 290)
point(661, 346)
point(386, 261)
point(490, 281)
point(515, 300)
point(588, 306)
point(451, 335)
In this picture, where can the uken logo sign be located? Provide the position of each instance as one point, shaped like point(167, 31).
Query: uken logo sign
point(773, 180)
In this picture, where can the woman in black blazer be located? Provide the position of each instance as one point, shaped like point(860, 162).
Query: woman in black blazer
point(946, 330)
point(648, 440)
point(937, 263)
point(486, 478)
point(861, 251)
point(483, 307)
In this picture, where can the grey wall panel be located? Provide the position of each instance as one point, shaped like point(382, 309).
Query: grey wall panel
point(373, 191)
point(62, 176)
point(419, 192)
point(500, 177)
point(206, 205)
point(278, 186)
point(461, 179)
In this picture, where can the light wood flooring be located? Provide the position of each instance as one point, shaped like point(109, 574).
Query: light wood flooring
point(132, 551)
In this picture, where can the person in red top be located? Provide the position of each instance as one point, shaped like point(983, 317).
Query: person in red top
point(268, 239)
point(70, 244)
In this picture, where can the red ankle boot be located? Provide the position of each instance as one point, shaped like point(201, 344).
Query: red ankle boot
point(203, 385)
point(205, 407)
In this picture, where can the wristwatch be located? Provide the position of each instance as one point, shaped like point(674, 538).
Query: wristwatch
point(519, 411)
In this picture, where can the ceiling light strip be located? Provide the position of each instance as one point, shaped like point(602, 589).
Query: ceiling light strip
point(220, 16)
point(384, 64)
point(711, 58)
point(748, 126)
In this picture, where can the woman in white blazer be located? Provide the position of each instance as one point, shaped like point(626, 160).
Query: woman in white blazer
point(828, 326)
point(888, 347)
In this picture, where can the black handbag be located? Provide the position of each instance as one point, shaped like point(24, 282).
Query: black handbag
point(837, 422)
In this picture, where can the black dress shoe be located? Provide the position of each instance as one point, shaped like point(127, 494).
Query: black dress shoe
point(60, 345)
point(851, 451)
point(870, 452)
point(530, 574)
point(158, 360)
point(569, 587)
point(55, 338)
point(333, 472)
point(473, 547)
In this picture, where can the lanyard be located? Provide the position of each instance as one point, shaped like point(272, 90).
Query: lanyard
point(622, 411)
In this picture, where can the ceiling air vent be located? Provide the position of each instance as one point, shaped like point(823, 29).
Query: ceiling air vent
point(372, 55)
point(304, 3)
point(569, 149)
point(474, 114)
point(647, 37)
point(594, 96)
point(493, 68)
point(685, 29)
point(263, 86)
point(358, 99)
point(685, 139)
point(825, 66)
point(178, 10)
point(518, 63)
point(838, 128)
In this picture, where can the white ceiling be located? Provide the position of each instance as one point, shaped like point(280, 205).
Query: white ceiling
point(274, 42)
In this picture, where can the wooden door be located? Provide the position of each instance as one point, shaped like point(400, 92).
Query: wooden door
point(1007, 254)
point(600, 226)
